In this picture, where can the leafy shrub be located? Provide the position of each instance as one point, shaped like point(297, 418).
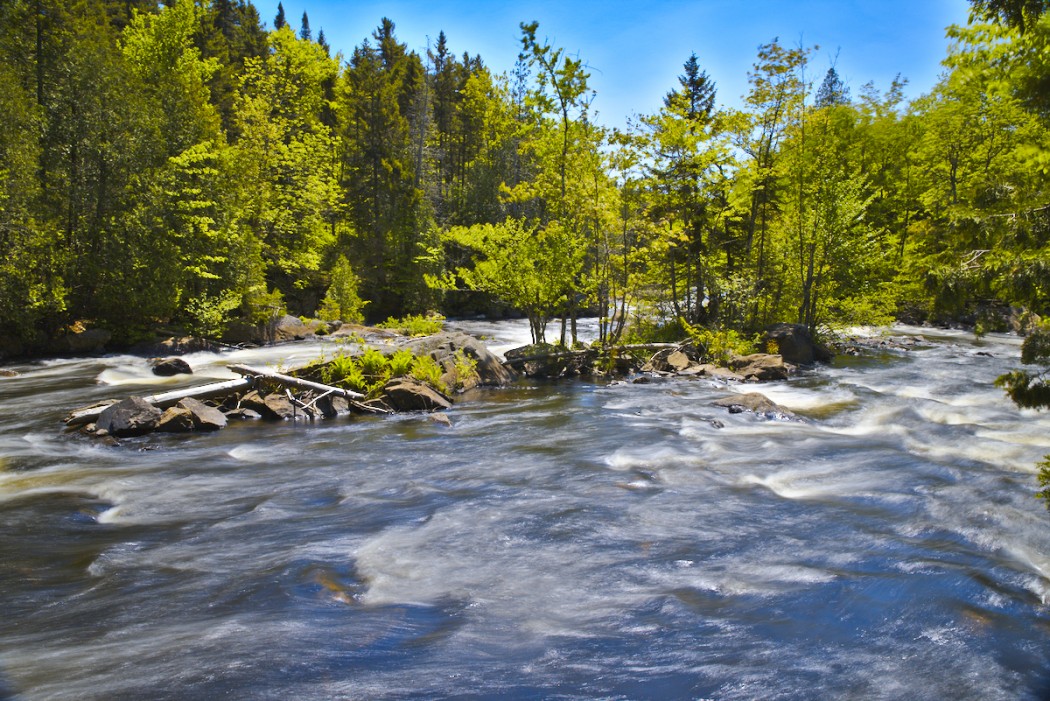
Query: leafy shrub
point(466, 368)
point(719, 345)
point(401, 363)
point(427, 370)
point(415, 325)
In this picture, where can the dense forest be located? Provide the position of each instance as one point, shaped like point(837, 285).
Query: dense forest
point(184, 164)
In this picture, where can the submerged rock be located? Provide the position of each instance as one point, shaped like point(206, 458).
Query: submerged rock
point(133, 416)
point(756, 404)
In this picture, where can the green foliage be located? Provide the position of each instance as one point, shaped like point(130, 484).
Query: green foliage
point(427, 370)
point(719, 345)
point(209, 316)
point(414, 324)
point(1031, 389)
point(401, 363)
point(342, 301)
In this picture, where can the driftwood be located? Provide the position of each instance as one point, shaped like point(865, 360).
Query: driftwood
point(299, 383)
point(289, 381)
point(166, 399)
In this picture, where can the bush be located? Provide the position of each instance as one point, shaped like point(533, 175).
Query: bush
point(415, 325)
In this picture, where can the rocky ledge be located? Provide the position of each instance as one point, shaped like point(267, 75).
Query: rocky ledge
point(268, 395)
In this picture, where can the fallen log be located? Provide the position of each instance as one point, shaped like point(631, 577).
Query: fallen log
point(163, 400)
point(299, 383)
point(288, 380)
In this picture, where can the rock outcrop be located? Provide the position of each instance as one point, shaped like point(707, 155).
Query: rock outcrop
point(444, 348)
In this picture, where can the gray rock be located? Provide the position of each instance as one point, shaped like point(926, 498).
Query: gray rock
point(757, 404)
point(760, 366)
point(443, 347)
point(167, 367)
point(407, 394)
point(678, 361)
point(175, 419)
point(205, 418)
point(133, 416)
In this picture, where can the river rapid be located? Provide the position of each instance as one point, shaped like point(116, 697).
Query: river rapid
point(560, 540)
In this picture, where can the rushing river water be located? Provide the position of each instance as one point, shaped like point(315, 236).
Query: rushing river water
point(568, 540)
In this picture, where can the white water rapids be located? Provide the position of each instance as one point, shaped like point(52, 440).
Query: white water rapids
point(559, 540)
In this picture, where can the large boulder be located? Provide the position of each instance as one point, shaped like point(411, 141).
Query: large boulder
point(167, 367)
point(444, 347)
point(760, 366)
point(407, 394)
point(795, 344)
point(83, 342)
point(756, 404)
point(133, 416)
point(292, 328)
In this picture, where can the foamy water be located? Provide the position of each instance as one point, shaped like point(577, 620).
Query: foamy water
point(571, 540)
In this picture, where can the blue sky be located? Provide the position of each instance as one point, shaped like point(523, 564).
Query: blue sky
point(635, 50)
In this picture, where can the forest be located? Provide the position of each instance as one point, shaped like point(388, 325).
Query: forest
point(184, 164)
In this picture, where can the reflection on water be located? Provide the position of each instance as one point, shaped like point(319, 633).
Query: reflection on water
point(573, 540)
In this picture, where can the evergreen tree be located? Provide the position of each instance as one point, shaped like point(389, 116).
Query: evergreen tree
point(832, 91)
point(279, 22)
point(304, 30)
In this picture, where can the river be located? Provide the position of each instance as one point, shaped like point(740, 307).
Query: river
point(560, 540)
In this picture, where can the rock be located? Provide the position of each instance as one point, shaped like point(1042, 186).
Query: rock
point(331, 406)
point(85, 342)
point(795, 344)
point(760, 366)
point(243, 413)
point(133, 416)
point(205, 418)
point(407, 394)
point(719, 373)
point(167, 367)
point(443, 348)
point(176, 419)
point(757, 404)
point(292, 328)
point(271, 406)
point(7, 373)
point(279, 406)
point(678, 361)
point(440, 417)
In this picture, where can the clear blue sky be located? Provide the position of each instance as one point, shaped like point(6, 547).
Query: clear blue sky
point(635, 50)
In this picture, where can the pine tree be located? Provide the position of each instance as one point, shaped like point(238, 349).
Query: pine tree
point(304, 30)
point(279, 21)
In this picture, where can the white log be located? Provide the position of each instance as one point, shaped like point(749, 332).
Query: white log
point(165, 399)
point(294, 381)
